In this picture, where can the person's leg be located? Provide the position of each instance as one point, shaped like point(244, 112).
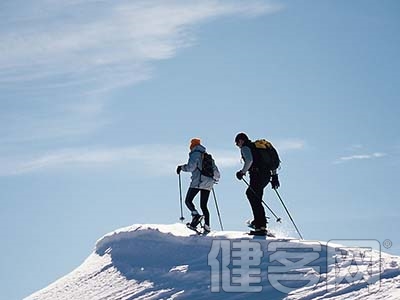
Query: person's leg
point(196, 217)
point(259, 219)
point(191, 193)
point(254, 194)
point(204, 195)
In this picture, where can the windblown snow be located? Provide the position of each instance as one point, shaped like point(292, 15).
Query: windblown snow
point(171, 262)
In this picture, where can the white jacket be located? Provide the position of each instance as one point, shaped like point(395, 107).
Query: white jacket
point(194, 165)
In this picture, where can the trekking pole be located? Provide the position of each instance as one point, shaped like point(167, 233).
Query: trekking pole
point(279, 196)
point(278, 219)
point(180, 197)
point(216, 205)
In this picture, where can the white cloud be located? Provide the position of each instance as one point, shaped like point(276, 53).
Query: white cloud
point(67, 53)
point(92, 45)
point(151, 159)
point(290, 144)
point(360, 157)
point(227, 159)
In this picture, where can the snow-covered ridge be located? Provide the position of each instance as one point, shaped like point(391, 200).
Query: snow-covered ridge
point(150, 261)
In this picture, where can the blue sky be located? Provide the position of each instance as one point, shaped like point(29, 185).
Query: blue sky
point(99, 100)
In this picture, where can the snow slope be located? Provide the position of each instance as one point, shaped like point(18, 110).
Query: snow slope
point(171, 262)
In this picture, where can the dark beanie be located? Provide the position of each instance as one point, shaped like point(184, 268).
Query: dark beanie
point(241, 136)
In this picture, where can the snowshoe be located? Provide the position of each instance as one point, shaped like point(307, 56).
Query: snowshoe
point(250, 223)
point(196, 219)
point(206, 229)
point(260, 232)
point(195, 229)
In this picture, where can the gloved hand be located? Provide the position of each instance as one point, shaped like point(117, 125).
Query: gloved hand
point(275, 181)
point(178, 170)
point(239, 175)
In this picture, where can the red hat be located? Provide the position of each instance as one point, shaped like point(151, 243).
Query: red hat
point(194, 142)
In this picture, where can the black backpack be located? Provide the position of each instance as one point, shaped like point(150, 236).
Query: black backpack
point(265, 155)
point(207, 165)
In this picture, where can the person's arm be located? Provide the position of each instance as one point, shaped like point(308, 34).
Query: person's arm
point(217, 174)
point(248, 159)
point(191, 165)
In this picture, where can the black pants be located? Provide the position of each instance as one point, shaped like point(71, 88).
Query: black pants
point(204, 195)
point(258, 181)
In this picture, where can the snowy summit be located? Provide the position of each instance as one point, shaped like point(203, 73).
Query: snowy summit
point(173, 262)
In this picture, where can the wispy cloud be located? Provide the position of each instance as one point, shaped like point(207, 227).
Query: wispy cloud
point(68, 53)
point(151, 159)
point(360, 157)
point(100, 45)
point(144, 157)
point(290, 144)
